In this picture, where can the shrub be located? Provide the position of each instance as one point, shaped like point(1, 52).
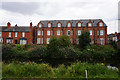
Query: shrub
point(8, 52)
point(37, 52)
point(75, 70)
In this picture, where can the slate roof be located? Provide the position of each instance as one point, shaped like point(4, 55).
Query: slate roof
point(74, 22)
point(16, 29)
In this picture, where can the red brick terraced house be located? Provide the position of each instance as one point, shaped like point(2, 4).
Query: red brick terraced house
point(16, 34)
point(47, 28)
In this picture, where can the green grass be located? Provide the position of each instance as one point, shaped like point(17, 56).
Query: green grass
point(76, 70)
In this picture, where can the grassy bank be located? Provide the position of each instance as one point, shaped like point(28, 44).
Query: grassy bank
point(75, 70)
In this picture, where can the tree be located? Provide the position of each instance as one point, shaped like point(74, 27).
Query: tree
point(84, 39)
point(64, 41)
point(53, 45)
point(113, 43)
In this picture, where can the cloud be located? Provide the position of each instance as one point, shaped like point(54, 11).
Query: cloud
point(23, 12)
point(21, 7)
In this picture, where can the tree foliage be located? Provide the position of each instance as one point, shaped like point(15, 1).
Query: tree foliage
point(84, 39)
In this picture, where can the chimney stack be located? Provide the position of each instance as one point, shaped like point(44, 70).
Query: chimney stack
point(8, 25)
point(31, 25)
point(16, 25)
point(115, 33)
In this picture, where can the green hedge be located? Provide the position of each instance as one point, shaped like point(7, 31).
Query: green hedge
point(93, 53)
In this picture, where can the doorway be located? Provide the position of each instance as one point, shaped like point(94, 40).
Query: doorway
point(15, 41)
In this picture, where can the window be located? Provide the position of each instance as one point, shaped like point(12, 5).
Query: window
point(23, 34)
point(42, 41)
point(40, 25)
point(97, 32)
point(58, 32)
point(48, 33)
point(68, 32)
point(9, 34)
point(23, 41)
point(38, 40)
point(101, 24)
point(0, 34)
point(90, 32)
point(97, 41)
point(79, 32)
point(42, 33)
point(15, 34)
point(79, 25)
point(89, 24)
point(69, 25)
point(102, 41)
point(39, 33)
point(9, 41)
point(48, 40)
point(49, 24)
point(1, 40)
point(101, 32)
point(59, 25)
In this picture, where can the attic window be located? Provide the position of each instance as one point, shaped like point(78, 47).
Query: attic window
point(100, 24)
point(49, 24)
point(69, 24)
point(40, 25)
point(79, 24)
point(90, 24)
point(59, 25)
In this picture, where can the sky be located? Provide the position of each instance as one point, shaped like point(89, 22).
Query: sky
point(25, 11)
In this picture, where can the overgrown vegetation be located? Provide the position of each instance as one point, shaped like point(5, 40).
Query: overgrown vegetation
point(76, 70)
point(84, 39)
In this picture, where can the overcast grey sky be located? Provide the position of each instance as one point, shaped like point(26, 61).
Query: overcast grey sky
point(26, 11)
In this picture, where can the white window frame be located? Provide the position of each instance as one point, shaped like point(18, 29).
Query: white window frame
point(97, 32)
point(9, 34)
point(41, 40)
point(100, 24)
point(49, 24)
point(58, 32)
point(79, 24)
point(1, 40)
point(67, 33)
point(79, 32)
point(59, 25)
point(16, 33)
point(0, 34)
point(40, 25)
point(23, 34)
point(39, 33)
point(9, 41)
point(42, 33)
point(90, 24)
point(23, 41)
point(48, 33)
point(91, 33)
point(69, 24)
point(101, 32)
point(38, 40)
point(48, 40)
point(101, 41)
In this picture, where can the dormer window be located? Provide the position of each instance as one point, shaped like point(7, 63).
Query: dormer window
point(49, 24)
point(79, 24)
point(59, 25)
point(69, 24)
point(90, 24)
point(40, 25)
point(100, 24)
